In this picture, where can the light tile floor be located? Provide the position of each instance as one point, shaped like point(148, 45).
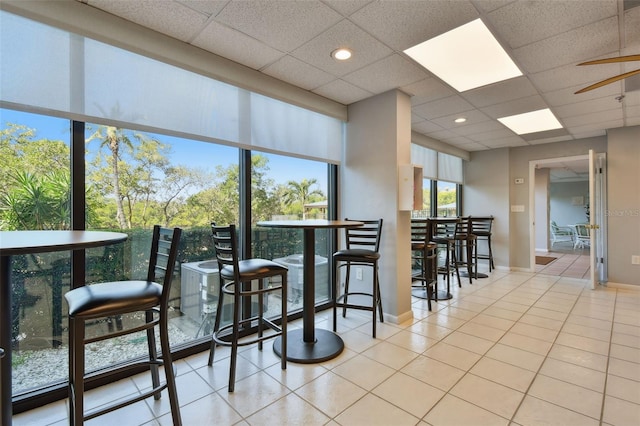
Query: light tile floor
point(572, 263)
point(512, 349)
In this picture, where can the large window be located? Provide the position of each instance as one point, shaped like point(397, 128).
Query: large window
point(35, 194)
point(161, 145)
point(290, 188)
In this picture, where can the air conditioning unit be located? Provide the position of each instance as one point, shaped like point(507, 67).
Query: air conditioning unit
point(295, 275)
point(199, 288)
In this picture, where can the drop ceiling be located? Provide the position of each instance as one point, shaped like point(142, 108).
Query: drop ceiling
point(292, 41)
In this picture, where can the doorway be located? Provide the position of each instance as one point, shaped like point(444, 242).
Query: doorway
point(560, 200)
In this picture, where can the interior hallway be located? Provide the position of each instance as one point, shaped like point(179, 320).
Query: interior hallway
point(512, 349)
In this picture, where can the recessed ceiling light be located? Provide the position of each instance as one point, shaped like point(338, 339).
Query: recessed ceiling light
point(466, 57)
point(341, 54)
point(530, 122)
point(460, 120)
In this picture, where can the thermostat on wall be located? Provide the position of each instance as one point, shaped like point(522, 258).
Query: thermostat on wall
point(519, 181)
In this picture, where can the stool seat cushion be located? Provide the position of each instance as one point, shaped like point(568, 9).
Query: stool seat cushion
point(356, 254)
point(251, 269)
point(110, 298)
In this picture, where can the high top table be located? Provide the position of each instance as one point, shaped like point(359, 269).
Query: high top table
point(310, 344)
point(27, 242)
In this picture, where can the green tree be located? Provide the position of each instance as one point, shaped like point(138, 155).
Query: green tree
point(300, 193)
point(114, 139)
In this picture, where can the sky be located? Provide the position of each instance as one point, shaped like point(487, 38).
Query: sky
point(191, 154)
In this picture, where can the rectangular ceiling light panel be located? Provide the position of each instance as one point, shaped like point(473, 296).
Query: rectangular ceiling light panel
point(531, 122)
point(466, 57)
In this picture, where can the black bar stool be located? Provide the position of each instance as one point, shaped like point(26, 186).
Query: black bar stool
point(481, 227)
point(115, 298)
point(362, 248)
point(236, 278)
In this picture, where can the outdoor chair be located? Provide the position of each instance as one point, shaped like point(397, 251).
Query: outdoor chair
point(110, 299)
point(582, 236)
point(561, 234)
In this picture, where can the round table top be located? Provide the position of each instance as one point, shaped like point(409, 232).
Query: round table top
point(24, 242)
point(310, 223)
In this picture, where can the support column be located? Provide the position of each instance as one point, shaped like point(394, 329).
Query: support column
point(378, 140)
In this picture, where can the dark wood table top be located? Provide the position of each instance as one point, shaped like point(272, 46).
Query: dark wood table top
point(24, 242)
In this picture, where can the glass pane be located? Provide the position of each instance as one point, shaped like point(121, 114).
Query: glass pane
point(426, 201)
point(290, 188)
point(136, 180)
point(447, 199)
point(35, 194)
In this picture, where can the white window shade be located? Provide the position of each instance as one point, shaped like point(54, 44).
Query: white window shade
point(427, 158)
point(450, 168)
point(44, 68)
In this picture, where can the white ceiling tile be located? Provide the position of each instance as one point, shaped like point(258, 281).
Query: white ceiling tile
point(574, 46)
point(443, 107)
point(595, 117)
point(444, 135)
point(208, 7)
point(427, 90)
point(567, 95)
point(473, 146)
point(389, 73)
point(283, 25)
point(403, 24)
point(592, 127)
point(550, 140)
point(299, 73)
point(516, 106)
point(512, 140)
point(346, 7)
point(590, 134)
point(632, 29)
point(524, 22)
point(425, 126)
point(503, 91)
point(165, 16)
point(343, 92)
point(489, 5)
point(483, 137)
point(571, 76)
point(473, 118)
point(234, 45)
point(586, 107)
point(366, 49)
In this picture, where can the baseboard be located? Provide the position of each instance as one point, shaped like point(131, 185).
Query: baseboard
point(622, 286)
point(399, 319)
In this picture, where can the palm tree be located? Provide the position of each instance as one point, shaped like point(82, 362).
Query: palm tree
point(301, 192)
point(112, 137)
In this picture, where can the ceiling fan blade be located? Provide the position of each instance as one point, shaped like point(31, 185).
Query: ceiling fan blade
point(617, 59)
point(608, 81)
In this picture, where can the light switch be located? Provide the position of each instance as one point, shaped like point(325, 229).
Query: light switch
point(517, 208)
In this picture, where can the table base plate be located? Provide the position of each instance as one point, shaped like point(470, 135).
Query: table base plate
point(328, 345)
point(466, 274)
point(422, 294)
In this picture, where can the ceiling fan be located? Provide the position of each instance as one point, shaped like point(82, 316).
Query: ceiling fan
point(610, 80)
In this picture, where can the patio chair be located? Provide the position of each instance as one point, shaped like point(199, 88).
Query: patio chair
point(582, 236)
point(561, 234)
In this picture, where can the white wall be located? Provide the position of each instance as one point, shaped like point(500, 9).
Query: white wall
point(378, 140)
point(541, 186)
point(486, 192)
point(563, 210)
point(623, 189)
